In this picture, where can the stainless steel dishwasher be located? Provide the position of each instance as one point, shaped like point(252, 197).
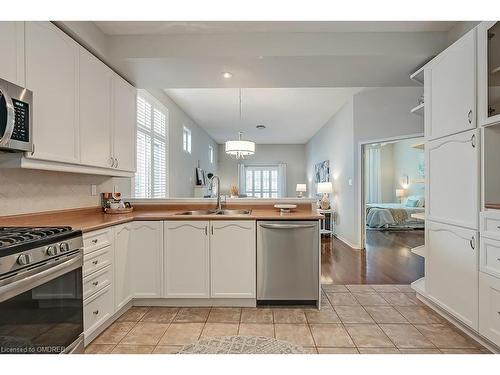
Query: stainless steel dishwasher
point(287, 261)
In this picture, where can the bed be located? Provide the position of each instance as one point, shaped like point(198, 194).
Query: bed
point(387, 216)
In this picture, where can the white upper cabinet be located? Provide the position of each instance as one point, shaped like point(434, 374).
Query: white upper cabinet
point(452, 97)
point(232, 259)
point(451, 273)
point(488, 72)
point(453, 174)
point(124, 263)
point(146, 247)
point(95, 111)
point(12, 60)
point(124, 124)
point(52, 59)
point(187, 261)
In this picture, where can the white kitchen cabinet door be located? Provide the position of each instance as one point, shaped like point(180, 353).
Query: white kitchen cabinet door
point(52, 59)
point(95, 111)
point(489, 307)
point(124, 124)
point(232, 259)
point(12, 61)
point(453, 89)
point(452, 165)
point(451, 273)
point(187, 261)
point(124, 264)
point(146, 246)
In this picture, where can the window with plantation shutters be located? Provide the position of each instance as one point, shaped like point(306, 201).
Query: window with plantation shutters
point(152, 129)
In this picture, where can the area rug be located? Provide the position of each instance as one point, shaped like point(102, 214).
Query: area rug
point(241, 345)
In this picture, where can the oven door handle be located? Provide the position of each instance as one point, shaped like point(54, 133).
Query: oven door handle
point(32, 281)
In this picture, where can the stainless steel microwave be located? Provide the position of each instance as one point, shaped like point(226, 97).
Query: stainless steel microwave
point(16, 107)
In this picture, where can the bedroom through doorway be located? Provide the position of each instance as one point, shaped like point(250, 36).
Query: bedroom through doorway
point(393, 198)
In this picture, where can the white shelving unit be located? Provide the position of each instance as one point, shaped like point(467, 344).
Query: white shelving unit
point(418, 76)
point(323, 229)
point(419, 250)
point(418, 110)
point(419, 286)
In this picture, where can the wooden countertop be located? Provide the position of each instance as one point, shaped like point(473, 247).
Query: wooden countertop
point(89, 219)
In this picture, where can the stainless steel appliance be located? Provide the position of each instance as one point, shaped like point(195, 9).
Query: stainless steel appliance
point(16, 107)
point(288, 261)
point(41, 300)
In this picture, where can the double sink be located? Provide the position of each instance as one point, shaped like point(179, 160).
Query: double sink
point(216, 212)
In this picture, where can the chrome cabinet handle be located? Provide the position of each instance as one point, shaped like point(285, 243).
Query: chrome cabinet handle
point(95, 262)
point(206, 230)
point(287, 226)
point(472, 242)
point(112, 161)
point(116, 166)
point(473, 140)
point(469, 116)
point(212, 229)
point(95, 283)
point(33, 150)
point(94, 241)
point(95, 312)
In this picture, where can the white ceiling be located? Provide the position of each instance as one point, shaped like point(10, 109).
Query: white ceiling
point(219, 27)
point(291, 115)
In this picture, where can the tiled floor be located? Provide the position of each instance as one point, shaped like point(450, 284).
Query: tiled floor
point(353, 319)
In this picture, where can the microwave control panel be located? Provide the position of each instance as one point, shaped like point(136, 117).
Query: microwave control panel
point(21, 121)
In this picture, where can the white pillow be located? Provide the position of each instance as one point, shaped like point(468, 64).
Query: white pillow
point(420, 198)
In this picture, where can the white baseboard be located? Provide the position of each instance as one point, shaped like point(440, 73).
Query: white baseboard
point(450, 318)
point(348, 243)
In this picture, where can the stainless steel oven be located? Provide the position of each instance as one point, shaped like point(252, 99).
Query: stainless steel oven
point(41, 303)
point(16, 107)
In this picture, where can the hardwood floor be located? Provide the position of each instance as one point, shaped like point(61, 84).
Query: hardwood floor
point(387, 259)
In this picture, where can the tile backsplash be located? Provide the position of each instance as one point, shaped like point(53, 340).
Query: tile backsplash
point(26, 191)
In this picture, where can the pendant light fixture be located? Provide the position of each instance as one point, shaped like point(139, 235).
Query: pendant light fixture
point(240, 149)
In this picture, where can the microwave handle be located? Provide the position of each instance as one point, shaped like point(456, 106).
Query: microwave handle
point(9, 128)
point(38, 278)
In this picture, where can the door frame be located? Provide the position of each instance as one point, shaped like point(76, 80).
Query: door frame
point(361, 179)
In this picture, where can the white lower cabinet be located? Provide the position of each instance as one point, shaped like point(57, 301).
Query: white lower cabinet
point(452, 270)
point(146, 248)
point(98, 280)
point(123, 265)
point(187, 261)
point(232, 259)
point(97, 309)
point(489, 307)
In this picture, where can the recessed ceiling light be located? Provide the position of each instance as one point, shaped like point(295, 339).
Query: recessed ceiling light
point(227, 75)
point(260, 127)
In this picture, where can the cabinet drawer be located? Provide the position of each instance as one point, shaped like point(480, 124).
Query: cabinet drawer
point(97, 240)
point(97, 260)
point(490, 227)
point(97, 309)
point(97, 281)
point(489, 307)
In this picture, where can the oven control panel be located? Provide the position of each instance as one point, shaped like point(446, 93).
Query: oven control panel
point(21, 121)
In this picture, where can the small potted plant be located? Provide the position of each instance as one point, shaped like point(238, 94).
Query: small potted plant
point(233, 191)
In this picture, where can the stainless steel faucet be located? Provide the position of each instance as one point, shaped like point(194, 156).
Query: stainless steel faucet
point(219, 205)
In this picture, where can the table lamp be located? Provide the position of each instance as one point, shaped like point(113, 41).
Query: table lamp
point(325, 188)
point(301, 189)
point(400, 193)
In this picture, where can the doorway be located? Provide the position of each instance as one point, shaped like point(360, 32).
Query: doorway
point(393, 205)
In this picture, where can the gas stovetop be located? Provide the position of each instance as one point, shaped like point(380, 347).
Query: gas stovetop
point(25, 247)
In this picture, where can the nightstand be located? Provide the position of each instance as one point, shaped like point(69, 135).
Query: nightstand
point(327, 225)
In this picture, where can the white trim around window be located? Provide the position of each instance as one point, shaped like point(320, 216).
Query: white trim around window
point(262, 181)
point(151, 178)
point(186, 139)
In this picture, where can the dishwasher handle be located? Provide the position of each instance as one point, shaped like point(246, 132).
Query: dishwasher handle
point(287, 226)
